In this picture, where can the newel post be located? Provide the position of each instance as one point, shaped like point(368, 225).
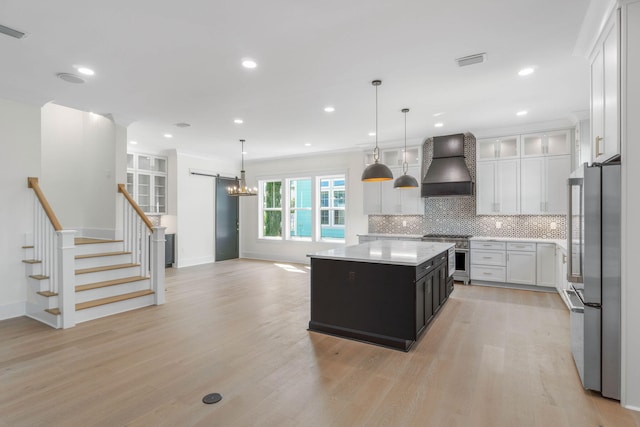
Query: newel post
point(66, 277)
point(157, 264)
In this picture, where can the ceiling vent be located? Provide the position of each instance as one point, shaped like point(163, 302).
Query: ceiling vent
point(11, 32)
point(70, 78)
point(471, 59)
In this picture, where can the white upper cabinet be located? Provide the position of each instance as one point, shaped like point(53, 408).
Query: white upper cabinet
point(498, 187)
point(555, 143)
point(543, 185)
point(605, 76)
point(506, 147)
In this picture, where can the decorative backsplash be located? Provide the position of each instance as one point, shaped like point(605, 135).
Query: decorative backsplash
point(457, 215)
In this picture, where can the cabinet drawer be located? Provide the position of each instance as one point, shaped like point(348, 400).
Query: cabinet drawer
point(488, 273)
point(479, 244)
point(482, 257)
point(424, 268)
point(526, 246)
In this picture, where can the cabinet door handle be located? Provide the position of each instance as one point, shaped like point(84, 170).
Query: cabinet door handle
point(486, 257)
point(564, 259)
point(507, 257)
point(486, 274)
point(599, 139)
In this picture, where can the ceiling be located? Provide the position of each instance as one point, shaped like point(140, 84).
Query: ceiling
point(158, 63)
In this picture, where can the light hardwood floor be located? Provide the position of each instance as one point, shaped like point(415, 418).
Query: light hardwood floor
point(493, 357)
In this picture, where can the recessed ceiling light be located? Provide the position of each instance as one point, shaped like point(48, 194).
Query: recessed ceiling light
point(438, 114)
point(439, 124)
point(168, 135)
point(522, 113)
point(133, 142)
point(526, 71)
point(238, 121)
point(249, 63)
point(86, 71)
point(329, 109)
point(371, 134)
point(307, 144)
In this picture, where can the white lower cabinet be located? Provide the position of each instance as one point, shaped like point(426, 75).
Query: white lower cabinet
point(521, 267)
point(561, 270)
point(517, 262)
point(546, 261)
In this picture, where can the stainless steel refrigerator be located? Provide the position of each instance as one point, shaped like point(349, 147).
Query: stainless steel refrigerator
point(594, 270)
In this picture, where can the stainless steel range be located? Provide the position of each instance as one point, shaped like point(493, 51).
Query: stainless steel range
point(462, 253)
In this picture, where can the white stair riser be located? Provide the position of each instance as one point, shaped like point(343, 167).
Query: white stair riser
point(109, 291)
point(101, 276)
point(27, 253)
point(102, 261)
point(113, 308)
point(98, 248)
point(33, 269)
point(42, 301)
point(38, 285)
point(38, 313)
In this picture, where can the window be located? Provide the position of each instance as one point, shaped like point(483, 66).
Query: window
point(300, 208)
point(304, 210)
point(147, 182)
point(271, 193)
point(332, 202)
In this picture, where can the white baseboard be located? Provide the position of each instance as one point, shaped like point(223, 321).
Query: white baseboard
point(14, 309)
point(632, 407)
point(194, 261)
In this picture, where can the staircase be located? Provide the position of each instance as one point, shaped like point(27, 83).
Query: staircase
point(73, 280)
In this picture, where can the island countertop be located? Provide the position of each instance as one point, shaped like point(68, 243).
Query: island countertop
point(399, 252)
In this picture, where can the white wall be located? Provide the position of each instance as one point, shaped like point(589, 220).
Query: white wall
point(195, 230)
point(351, 163)
point(20, 145)
point(79, 168)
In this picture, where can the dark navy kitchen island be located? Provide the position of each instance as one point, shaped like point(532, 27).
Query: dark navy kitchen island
point(384, 292)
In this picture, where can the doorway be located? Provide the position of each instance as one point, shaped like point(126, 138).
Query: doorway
point(227, 221)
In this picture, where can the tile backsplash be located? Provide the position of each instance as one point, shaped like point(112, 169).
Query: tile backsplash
point(457, 215)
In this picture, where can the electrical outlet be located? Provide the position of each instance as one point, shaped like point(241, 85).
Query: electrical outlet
point(404, 223)
point(498, 224)
point(553, 225)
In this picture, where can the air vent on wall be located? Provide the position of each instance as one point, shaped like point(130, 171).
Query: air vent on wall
point(471, 59)
point(11, 32)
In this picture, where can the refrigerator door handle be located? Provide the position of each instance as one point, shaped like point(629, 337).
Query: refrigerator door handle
point(571, 277)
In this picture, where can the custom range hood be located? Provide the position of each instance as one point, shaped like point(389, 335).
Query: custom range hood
point(447, 174)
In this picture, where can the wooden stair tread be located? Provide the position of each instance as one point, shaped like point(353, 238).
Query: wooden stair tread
point(27, 247)
point(89, 241)
point(31, 261)
point(106, 283)
point(38, 276)
point(102, 254)
point(54, 311)
point(47, 293)
point(105, 268)
point(115, 298)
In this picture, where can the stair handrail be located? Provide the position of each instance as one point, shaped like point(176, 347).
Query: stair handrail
point(122, 189)
point(32, 182)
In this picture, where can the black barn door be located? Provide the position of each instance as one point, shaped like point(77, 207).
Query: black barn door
point(227, 221)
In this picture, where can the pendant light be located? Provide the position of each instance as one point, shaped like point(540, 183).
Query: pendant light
point(241, 189)
point(405, 181)
point(376, 171)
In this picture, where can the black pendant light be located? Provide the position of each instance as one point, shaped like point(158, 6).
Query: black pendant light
point(241, 189)
point(376, 171)
point(405, 181)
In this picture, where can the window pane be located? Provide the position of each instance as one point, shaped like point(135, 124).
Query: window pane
point(324, 183)
point(324, 199)
point(338, 217)
point(300, 193)
point(144, 163)
point(271, 194)
point(338, 199)
point(300, 223)
point(338, 182)
point(324, 217)
point(272, 224)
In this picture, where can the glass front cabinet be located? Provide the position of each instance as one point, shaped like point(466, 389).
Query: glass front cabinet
point(147, 182)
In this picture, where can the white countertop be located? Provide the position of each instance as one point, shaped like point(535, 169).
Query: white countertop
point(400, 252)
point(560, 242)
point(393, 236)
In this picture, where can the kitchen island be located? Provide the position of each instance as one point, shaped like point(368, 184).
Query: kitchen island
point(381, 292)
